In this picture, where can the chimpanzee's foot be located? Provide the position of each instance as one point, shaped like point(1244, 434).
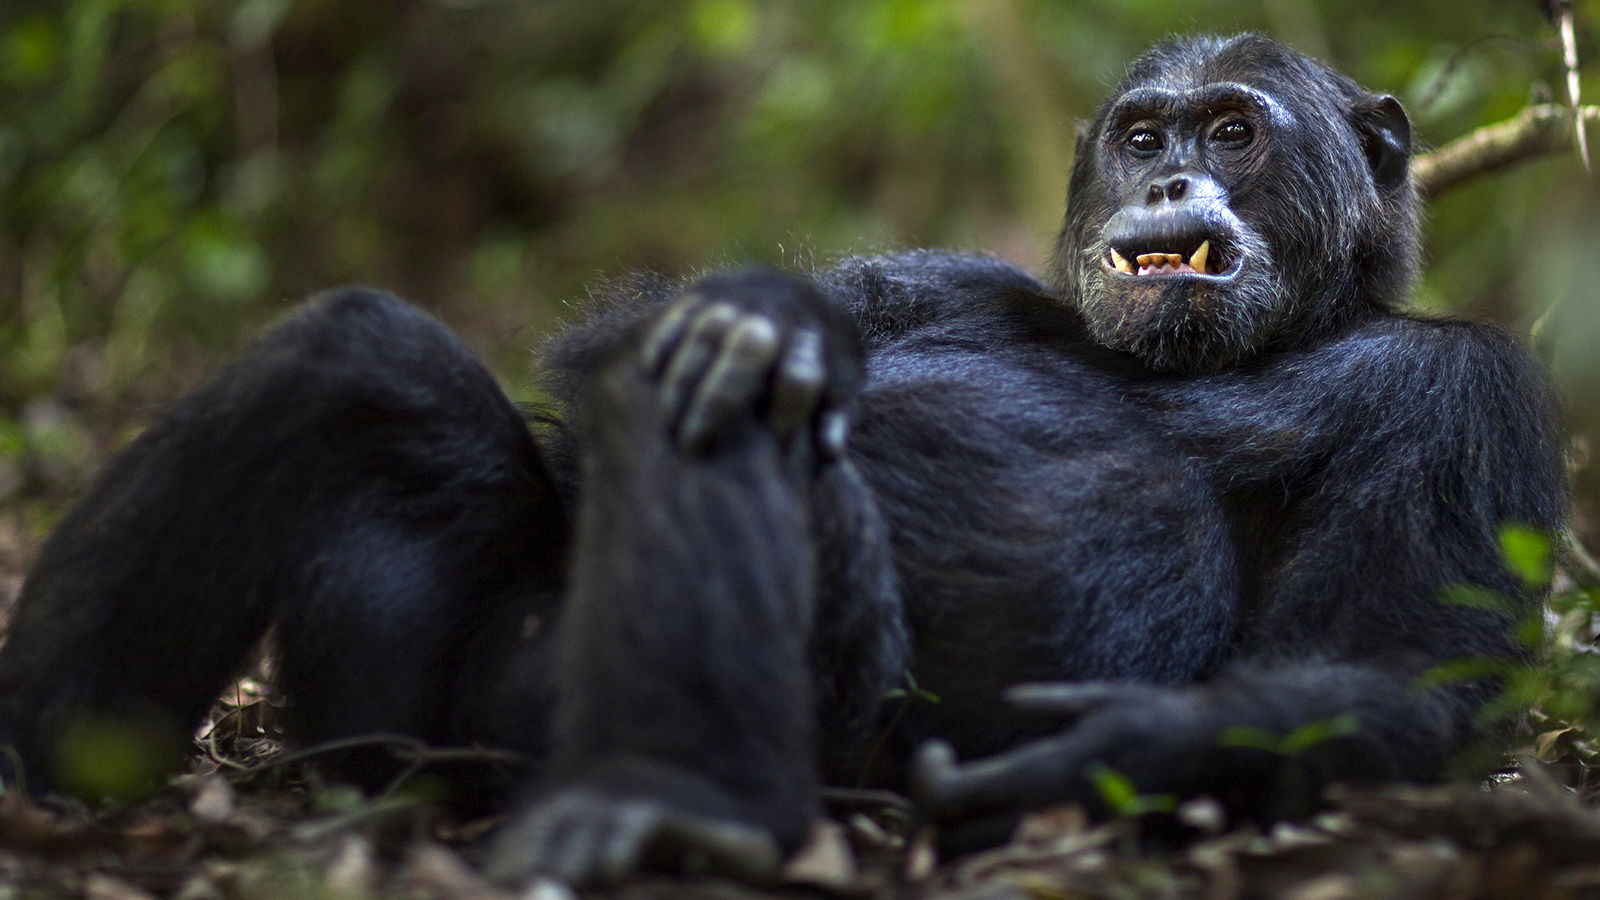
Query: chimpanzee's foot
point(585, 838)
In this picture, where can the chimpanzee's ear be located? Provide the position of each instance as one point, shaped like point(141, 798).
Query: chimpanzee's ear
point(1385, 138)
point(1083, 142)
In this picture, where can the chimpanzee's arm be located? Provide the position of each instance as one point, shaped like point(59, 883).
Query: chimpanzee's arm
point(1367, 477)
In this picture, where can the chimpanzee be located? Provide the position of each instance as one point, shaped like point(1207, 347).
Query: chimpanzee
point(785, 531)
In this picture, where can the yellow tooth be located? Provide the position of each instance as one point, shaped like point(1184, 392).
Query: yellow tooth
point(1122, 265)
point(1150, 259)
point(1200, 257)
point(1174, 259)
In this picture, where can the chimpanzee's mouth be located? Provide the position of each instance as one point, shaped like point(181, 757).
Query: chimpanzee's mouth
point(1163, 263)
point(1144, 259)
point(1192, 240)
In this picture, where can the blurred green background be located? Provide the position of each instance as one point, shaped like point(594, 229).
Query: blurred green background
point(175, 174)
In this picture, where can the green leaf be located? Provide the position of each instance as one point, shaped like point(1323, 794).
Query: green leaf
point(1248, 737)
point(1575, 600)
point(31, 51)
point(911, 689)
point(1122, 795)
point(1528, 553)
point(1475, 597)
point(1313, 733)
point(1295, 742)
point(1530, 632)
point(224, 263)
point(1460, 670)
point(723, 27)
point(1115, 788)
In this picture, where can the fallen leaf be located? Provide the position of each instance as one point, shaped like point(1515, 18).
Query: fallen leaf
point(825, 860)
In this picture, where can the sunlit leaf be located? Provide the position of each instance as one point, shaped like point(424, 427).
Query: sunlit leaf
point(1528, 553)
point(225, 264)
point(1115, 788)
point(30, 50)
point(1545, 745)
point(723, 27)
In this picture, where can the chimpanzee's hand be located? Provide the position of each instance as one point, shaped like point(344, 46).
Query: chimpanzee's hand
point(1159, 738)
point(1265, 743)
point(759, 342)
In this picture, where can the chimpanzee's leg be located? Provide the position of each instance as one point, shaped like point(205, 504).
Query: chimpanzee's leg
point(686, 723)
point(355, 475)
point(438, 518)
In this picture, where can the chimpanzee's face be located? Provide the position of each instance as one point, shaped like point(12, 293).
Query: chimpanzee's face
point(1230, 197)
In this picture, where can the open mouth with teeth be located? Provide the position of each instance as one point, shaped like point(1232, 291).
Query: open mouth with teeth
point(1199, 261)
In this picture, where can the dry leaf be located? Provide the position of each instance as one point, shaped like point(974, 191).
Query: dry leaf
point(100, 886)
point(825, 860)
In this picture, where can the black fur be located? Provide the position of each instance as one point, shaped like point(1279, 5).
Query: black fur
point(1211, 502)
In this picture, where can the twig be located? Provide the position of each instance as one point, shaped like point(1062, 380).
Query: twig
point(19, 781)
point(321, 829)
point(1436, 86)
point(865, 797)
point(1581, 564)
point(1536, 131)
point(213, 753)
point(402, 746)
point(415, 754)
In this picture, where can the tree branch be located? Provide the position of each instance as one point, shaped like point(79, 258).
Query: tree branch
point(1534, 132)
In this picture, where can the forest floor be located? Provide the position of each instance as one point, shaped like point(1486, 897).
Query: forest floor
point(249, 821)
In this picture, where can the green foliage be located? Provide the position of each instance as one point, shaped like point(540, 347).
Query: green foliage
point(1564, 688)
point(1122, 796)
point(173, 173)
point(1528, 554)
point(911, 691)
point(1570, 689)
point(103, 759)
point(1294, 743)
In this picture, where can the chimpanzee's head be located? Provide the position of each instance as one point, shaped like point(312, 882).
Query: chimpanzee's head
point(1233, 197)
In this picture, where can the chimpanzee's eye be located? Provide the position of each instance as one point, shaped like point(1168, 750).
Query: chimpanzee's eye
point(1233, 131)
point(1144, 140)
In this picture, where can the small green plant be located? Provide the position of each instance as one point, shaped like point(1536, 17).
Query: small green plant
point(1529, 554)
point(910, 691)
point(1563, 689)
point(1294, 743)
point(1295, 787)
point(1122, 796)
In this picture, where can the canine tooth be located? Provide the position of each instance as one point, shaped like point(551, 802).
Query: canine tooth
point(1201, 257)
point(1122, 265)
